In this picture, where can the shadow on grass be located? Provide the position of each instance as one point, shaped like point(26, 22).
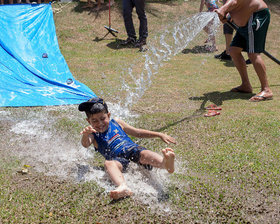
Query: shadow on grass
point(108, 36)
point(92, 8)
point(197, 50)
point(196, 113)
point(116, 43)
point(204, 50)
point(218, 97)
point(214, 97)
point(228, 63)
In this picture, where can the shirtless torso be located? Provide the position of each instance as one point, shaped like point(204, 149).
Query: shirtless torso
point(240, 10)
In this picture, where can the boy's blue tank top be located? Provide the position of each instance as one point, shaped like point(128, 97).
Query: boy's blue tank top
point(114, 141)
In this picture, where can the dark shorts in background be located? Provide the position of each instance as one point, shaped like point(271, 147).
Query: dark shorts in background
point(251, 38)
point(227, 29)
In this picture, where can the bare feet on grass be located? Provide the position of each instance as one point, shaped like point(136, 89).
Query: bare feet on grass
point(120, 192)
point(168, 159)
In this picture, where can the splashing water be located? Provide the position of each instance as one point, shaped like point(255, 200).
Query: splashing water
point(171, 42)
point(37, 140)
point(46, 138)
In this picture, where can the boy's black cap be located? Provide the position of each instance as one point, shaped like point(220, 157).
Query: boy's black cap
point(86, 106)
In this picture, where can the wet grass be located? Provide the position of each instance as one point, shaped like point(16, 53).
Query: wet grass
point(228, 165)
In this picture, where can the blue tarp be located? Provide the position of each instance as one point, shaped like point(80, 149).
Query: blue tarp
point(33, 72)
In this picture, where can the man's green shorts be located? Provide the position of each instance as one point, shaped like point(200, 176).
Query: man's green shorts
point(251, 38)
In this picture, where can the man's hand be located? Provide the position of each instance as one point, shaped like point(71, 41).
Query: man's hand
point(221, 15)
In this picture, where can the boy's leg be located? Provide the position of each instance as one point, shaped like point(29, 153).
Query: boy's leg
point(114, 169)
point(164, 162)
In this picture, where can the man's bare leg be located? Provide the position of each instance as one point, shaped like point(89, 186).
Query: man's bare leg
point(260, 69)
point(240, 64)
point(114, 169)
point(164, 162)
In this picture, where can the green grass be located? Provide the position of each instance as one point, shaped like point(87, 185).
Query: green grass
point(227, 166)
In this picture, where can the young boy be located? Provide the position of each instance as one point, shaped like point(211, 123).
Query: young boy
point(110, 138)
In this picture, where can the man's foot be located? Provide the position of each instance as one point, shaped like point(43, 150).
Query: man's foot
point(241, 89)
point(120, 192)
point(223, 56)
point(262, 96)
point(128, 41)
point(168, 159)
point(140, 43)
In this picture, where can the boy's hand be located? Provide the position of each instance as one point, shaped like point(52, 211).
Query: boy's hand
point(88, 130)
point(167, 139)
point(87, 137)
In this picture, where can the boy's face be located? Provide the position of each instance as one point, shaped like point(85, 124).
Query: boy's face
point(100, 121)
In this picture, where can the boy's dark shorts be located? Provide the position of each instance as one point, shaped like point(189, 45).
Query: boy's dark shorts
point(227, 29)
point(131, 155)
point(251, 38)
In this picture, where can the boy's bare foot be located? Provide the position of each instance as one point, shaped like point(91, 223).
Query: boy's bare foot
point(168, 159)
point(120, 192)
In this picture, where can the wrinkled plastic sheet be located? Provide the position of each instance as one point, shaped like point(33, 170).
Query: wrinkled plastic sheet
point(33, 72)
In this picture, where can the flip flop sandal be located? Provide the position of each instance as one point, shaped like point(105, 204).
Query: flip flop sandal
point(260, 98)
point(237, 90)
point(212, 113)
point(213, 107)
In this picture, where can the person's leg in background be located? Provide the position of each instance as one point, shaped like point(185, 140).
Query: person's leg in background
point(228, 32)
point(128, 22)
point(143, 28)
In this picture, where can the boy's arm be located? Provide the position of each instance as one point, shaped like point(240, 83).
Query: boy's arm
point(142, 133)
point(87, 136)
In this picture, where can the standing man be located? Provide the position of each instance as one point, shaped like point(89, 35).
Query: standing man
point(252, 17)
point(228, 32)
point(128, 6)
